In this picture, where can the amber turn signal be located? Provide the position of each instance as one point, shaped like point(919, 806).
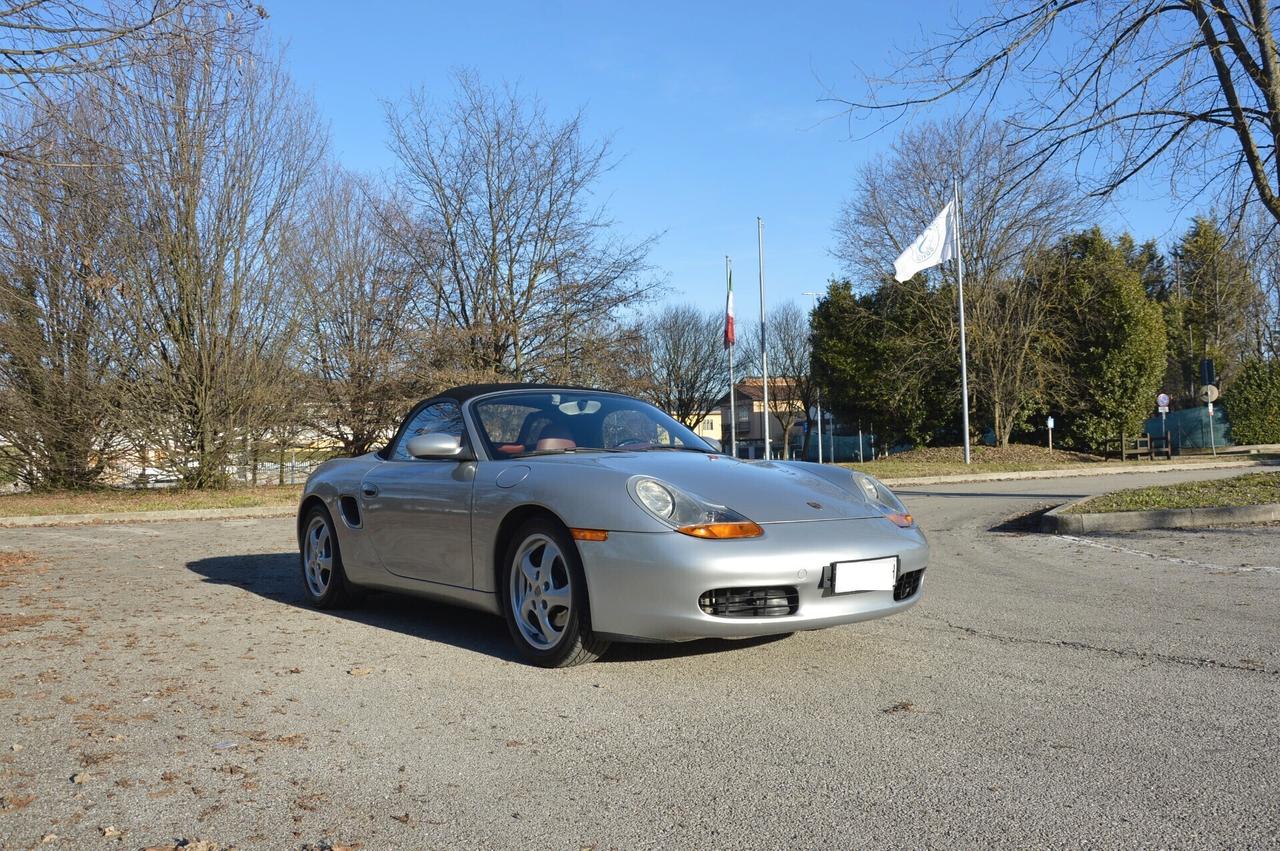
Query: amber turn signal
point(903, 520)
point(590, 534)
point(745, 529)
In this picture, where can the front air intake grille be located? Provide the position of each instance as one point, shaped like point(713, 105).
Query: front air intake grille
point(750, 602)
point(907, 585)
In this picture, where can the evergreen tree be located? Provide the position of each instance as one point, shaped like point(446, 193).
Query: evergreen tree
point(1217, 291)
point(1115, 358)
point(879, 360)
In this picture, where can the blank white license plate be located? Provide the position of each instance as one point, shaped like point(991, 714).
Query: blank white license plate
point(877, 574)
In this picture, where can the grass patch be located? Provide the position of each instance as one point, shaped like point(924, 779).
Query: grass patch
point(949, 461)
point(1249, 489)
point(112, 501)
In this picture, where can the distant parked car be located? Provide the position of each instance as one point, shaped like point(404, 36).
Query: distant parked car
point(584, 517)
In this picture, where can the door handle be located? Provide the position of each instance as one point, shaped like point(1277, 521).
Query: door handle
point(369, 490)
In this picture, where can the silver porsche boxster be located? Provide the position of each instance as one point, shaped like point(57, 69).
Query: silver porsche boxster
point(584, 517)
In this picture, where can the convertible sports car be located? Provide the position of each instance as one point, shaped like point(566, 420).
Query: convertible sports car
point(584, 517)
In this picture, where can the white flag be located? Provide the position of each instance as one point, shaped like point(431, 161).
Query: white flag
point(932, 247)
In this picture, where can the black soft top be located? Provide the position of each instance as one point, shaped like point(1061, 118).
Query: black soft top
point(470, 391)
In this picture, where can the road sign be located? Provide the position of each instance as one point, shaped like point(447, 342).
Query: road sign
point(1163, 400)
point(1048, 423)
point(1164, 409)
point(1208, 393)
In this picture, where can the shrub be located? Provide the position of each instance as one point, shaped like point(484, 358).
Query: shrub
point(1253, 403)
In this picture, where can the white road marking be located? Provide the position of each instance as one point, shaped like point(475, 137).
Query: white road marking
point(1222, 568)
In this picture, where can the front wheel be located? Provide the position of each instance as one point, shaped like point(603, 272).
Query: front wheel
point(545, 593)
point(323, 579)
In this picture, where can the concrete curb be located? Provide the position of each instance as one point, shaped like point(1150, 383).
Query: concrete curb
point(288, 510)
point(1101, 469)
point(1058, 522)
point(147, 516)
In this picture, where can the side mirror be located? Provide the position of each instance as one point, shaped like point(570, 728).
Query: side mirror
point(436, 445)
point(715, 444)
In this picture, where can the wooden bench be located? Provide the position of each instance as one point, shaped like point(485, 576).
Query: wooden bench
point(1130, 447)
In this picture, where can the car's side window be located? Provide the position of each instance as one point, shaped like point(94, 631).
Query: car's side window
point(441, 418)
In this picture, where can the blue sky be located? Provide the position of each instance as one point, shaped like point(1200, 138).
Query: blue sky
point(714, 112)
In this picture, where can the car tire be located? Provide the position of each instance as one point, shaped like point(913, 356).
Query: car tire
point(544, 597)
point(324, 581)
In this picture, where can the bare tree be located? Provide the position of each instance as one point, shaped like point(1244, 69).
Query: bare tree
point(1015, 347)
point(62, 341)
point(613, 355)
point(1010, 210)
point(506, 238)
point(1261, 238)
point(684, 370)
point(792, 390)
point(365, 344)
point(217, 149)
point(1129, 83)
point(49, 49)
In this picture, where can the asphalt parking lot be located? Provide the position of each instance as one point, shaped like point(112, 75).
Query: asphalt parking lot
point(162, 682)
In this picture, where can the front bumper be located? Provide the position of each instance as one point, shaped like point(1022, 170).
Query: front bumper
point(646, 585)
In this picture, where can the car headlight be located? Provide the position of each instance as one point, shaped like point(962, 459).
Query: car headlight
point(689, 514)
point(879, 495)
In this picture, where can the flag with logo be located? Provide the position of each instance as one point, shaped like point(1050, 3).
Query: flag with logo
point(934, 246)
point(728, 315)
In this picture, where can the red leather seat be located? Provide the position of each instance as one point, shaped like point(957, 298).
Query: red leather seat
point(555, 436)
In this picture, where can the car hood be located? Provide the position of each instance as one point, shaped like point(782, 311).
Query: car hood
point(763, 491)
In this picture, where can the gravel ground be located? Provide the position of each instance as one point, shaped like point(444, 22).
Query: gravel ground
point(162, 682)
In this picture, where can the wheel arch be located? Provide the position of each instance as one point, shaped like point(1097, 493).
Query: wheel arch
point(305, 508)
point(510, 523)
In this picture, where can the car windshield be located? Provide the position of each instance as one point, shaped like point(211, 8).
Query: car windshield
point(542, 422)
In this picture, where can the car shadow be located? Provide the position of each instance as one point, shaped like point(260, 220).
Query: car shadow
point(276, 577)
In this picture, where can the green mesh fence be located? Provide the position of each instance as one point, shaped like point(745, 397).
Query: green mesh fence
point(837, 447)
point(1189, 427)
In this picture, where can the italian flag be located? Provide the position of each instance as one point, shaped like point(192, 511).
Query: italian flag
point(728, 314)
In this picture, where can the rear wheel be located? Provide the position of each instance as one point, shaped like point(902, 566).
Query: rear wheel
point(323, 579)
point(545, 597)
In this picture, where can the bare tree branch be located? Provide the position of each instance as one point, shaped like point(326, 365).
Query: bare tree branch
point(1130, 84)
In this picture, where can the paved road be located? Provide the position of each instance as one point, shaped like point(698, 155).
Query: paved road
point(1110, 691)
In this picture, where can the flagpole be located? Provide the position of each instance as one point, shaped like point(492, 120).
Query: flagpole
point(964, 360)
point(733, 413)
point(764, 351)
point(817, 392)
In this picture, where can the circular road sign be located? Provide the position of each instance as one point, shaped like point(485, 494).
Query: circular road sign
point(1163, 400)
point(1208, 393)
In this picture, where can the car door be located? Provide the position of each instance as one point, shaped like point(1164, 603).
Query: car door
point(418, 511)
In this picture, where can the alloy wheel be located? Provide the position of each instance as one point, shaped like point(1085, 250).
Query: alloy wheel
point(541, 596)
point(318, 557)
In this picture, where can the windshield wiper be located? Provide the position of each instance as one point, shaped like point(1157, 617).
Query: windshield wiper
point(682, 449)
